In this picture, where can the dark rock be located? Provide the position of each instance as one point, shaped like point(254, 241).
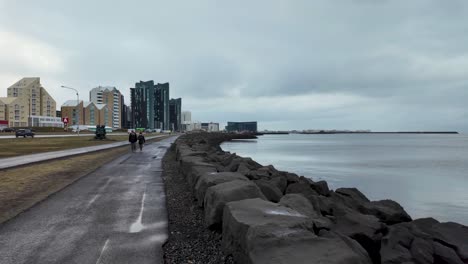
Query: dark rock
point(213, 178)
point(422, 251)
point(454, 236)
point(291, 178)
point(243, 168)
point(280, 182)
point(365, 229)
point(217, 196)
point(388, 211)
point(321, 187)
point(196, 172)
point(300, 188)
point(256, 231)
point(395, 245)
point(445, 255)
point(298, 202)
point(353, 193)
point(271, 192)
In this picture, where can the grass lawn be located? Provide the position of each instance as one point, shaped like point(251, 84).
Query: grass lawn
point(22, 187)
point(23, 146)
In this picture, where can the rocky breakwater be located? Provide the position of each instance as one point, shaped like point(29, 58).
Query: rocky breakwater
point(271, 216)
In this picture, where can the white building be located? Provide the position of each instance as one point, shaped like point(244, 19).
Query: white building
point(210, 127)
point(192, 126)
point(186, 117)
point(113, 98)
point(45, 121)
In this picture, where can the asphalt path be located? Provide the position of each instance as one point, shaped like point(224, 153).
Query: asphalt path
point(7, 135)
point(33, 158)
point(116, 214)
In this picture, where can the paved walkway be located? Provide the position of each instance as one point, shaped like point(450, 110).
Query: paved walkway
point(116, 214)
point(7, 136)
point(27, 159)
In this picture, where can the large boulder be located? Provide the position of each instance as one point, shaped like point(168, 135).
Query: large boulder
point(197, 171)
point(365, 229)
point(321, 187)
point(353, 196)
point(298, 202)
point(422, 251)
point(388, 211)
point(271, 192)
point(453, 235)
point(445, 255)
point(395, 245)
point(261, 232)
point(213, 178)
point(302, 205)
point(281, 182)
point(217, 196)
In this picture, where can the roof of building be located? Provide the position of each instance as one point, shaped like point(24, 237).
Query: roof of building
point(25, 81)
point(100, 106)
point(8, 100)
point(105, 88)
point(71, 103)
point(86, 103)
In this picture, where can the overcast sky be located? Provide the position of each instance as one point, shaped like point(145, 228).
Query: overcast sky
point(327, 64)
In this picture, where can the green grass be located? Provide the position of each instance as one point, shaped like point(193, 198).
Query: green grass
point(25, 146)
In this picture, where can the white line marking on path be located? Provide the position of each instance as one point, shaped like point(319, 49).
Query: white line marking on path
point(138, 226)
point(102, 251)
point(99, 192)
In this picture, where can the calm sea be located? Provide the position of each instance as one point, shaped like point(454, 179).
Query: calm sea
point(426, 174)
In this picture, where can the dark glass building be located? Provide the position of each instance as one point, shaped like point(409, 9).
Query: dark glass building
point(242, 127)
point(150, 105)
point(175, 114)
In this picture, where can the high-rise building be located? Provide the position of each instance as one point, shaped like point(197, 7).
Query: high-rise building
point(175, 114)
point(112, 97)
point(30, 99)
point(150, 105)
point(161, 106)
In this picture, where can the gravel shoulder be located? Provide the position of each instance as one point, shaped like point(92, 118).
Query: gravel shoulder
point(189, 241)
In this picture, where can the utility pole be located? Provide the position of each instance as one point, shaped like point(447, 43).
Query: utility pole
point(78, 106)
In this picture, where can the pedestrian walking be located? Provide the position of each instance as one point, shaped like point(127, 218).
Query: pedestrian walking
point(132, 138)
point(141, 141)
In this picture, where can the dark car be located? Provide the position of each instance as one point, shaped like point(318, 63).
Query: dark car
point(24, 133)
point(8, 129)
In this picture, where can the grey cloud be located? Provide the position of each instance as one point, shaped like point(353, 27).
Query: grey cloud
point(408, 57)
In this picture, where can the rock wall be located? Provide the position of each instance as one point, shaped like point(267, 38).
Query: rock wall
point(271, 216)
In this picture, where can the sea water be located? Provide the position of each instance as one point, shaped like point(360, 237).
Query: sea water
point(426, 174)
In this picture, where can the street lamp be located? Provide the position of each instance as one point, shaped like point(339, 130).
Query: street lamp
point(78, 105)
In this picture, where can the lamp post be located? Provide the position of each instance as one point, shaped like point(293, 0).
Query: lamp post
point(78, 106)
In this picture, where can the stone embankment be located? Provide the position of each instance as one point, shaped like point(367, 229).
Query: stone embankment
point(270, 216)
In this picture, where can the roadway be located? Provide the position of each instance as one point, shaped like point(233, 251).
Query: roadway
point(116, 214)
point(33, 158)
point(8, 135)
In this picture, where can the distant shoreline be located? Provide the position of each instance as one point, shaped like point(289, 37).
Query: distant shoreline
point(350, 132)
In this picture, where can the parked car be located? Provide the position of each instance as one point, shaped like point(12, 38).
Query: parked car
point(24, 133)
point(8, 129)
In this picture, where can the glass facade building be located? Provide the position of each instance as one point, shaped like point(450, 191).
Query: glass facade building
point(150, 105)
point(242, 126)
point(175, 114)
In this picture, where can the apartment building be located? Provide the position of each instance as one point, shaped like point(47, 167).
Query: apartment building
point(27, 100)
point(87, 113)
point(112, 97)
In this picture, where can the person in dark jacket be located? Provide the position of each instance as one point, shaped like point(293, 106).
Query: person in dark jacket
point(141, 141)
point(132, 138)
